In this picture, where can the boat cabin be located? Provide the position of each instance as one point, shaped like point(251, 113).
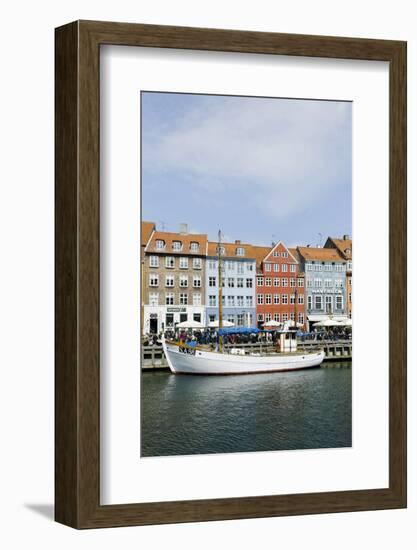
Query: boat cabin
point(287, 340)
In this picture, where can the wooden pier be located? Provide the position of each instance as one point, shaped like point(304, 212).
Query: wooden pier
point(153, 357)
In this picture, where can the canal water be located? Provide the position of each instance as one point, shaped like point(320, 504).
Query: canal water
point(185, 415)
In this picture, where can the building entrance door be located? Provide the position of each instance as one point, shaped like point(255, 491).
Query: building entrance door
point(183, 317)
point(153, 326)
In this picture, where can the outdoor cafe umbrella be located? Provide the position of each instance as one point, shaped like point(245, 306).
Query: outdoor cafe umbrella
point(346, 323)
point(190, 324)
point(328, 323)
point(272, 324)
point(215, 324)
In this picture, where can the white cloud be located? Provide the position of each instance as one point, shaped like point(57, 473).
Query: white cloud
point(281, 151)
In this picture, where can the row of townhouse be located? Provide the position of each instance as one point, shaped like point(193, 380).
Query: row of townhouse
point(180, 281)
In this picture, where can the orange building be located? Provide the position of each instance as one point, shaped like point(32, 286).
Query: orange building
point(279, 286)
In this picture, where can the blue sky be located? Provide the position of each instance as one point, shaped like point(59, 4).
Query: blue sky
point(260, 169)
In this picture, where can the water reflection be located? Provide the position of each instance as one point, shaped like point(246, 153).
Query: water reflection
point(222, 414)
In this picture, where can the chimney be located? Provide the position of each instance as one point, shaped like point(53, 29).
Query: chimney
point(238, 242)
point(183, 228)
point(345, 237)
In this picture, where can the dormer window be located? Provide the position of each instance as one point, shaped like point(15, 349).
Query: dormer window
point(240, 251)
point(160, 244)
point(176, 245)
point(194, 247)
point(222, 250)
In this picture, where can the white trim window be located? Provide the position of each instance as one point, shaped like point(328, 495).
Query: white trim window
point(153, 261)
point(239, 282)
point(240, 267)
point(284, 317)
point(240, 319)
point(249, 283)
point(276, 268)
point(169, 299)
point(268, 281)
point(284, 254)
point(318, 302)
point(268, 299)
point(292, 268)
point(328, 267)
point(212, 300)
point(309, 302)
point(277, 281)
point(196, 281)
point(250, 266)
point(230, 301)
point(197, 263)
point(260, 299)
point(340, 267)
point(239, 300)
point(260, 317)
point(197, 299)
point(176, 245)
point(301, 318)
point(318, 267)
point(349, 265)
point(328, 283)
point(339, 302)
point(267, 267)
point(249, 301)
point(309, 266)
point(268, 317)
point(292, 282)
point(309, 283)
point(183, 281)
point(276, 299)
point(212, 264)
point(284, 267)
point(277, 318)
point(153, 279)
point(240, 251)
point(284, 299)
point(183, 262)
point(276, 254)
point(338, 283)
point(318, 283)
point(160, 244)
point(153, 298)
point(301, 299)
point(260, 281)
point(284, 282)
point(194, 246)
point(231, 282)
point(184, 299)
point(230, 265)
point(212, 281)
point(170, 262)
point(292, 299)
point(169, 280)
point(300, 282)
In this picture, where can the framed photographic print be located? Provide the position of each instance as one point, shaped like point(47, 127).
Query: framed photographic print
point(215, 191)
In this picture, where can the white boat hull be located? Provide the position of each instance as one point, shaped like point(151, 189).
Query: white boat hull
point(185, 361)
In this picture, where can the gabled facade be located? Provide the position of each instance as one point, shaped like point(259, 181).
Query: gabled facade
point(279, 286)
point(238, 288)
point(325, 282)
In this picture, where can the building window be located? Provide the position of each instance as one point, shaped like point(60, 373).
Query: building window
point(239, 282)
point(169, 299)
point(221, 250)
point(284, 267)
point(276, 317)
point(169, 280)
point(268, 281)
point(212, 281)
point(328, 303)
point(301, 318)
point(328, 283)
point(176, 245)
point(339, 302)
point(309, 283)
point(230, 301)
point(340, 267)
point(284, 282)
point(183, 299)
point(197, 263)
point(240, 251)
point(267, 267)
point(170, 262)
point(318, 267)
point(231, 282)
point(212, 318)
point(268, 317)
point(284, 254)
point(276, 281)
point(240, 301)
point(327, 267)
point(260, 317)
point(276, 299)
point(317, 283)
point(153, 279)
point(194, 247)
point(318, 302)
point(292, 316)
point(277, 254)
point(301, 299)
point(268, 299)
point(240, 319)
point(240, 267)
point(292, 268)
point(309, 302)
point(183, 263)
point(223, 300)
point(284, 299)
point(249, 267)
point(183, 281)
point(260, 299)
point(309, 267)
point(249, 283)
point(338, 283)
point(212, 264)
point(230, 265)
point(292, 282)
point(260, 281)
point(153, 298)
point(292, 299)
point(197, 281)
point(276, 268)
point(231, 318)
point(284, 317)
point(160, 244)
point(153, 261)
point(249, 301)
point(301, 282)
point(196, 299)
point(350, 297)
point(349, 265)
point(212, 300)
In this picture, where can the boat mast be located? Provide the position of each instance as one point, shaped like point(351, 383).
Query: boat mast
point(220, 290)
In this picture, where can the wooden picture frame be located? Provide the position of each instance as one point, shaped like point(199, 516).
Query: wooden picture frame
point(77, 404)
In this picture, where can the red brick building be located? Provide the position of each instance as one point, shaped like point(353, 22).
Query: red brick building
point(279, 285)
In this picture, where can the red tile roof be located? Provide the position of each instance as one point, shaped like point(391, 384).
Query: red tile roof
point(146, 232)
point(184, 238)
point(344, 246)
point(320, 254)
